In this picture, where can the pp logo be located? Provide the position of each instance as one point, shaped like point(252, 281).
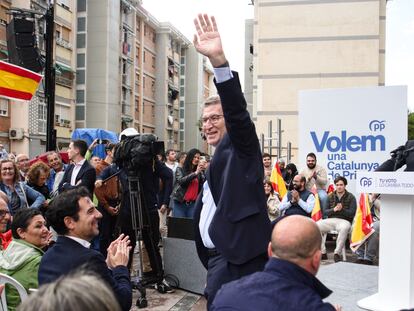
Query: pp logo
point(365, 182)
point(376, 125)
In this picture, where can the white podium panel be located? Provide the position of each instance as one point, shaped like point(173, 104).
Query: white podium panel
point(396, 253)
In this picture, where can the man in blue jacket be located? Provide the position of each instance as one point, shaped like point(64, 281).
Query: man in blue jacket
point(288, 281)
point(232, 227)
point(74, 217)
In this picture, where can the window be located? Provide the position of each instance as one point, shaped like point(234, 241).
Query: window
point(80, 112)
point(153, 62)
point(4, 107)
point(80, 60)
point(81, 5)
point(80, 96)
point(144, 57)
point(41, 115)
point(58, 34)
point(81, 40)
point(143, 82)
point(80, 76)
point(81, 24)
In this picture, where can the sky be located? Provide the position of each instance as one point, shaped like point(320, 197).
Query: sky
point(231, 16)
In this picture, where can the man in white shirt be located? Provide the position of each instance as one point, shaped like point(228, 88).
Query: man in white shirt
point(80, 172)
point(232, 226)
point(74, 217)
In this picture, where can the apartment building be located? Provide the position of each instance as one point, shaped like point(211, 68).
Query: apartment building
point(309, 44)
point(198, 85)
point(28, 119)
point(4, 103)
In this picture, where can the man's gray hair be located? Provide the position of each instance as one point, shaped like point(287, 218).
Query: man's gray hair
point(212, 100)
point(82, 290)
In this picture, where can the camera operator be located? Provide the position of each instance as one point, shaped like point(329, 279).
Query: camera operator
point(149, 177)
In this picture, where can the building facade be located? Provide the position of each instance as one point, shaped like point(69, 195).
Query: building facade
point(29, 118)
point(308, 44)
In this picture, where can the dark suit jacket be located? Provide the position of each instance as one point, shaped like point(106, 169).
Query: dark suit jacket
point(67, 255)
point(240, 228)
point(281, 286)
point(87, 174)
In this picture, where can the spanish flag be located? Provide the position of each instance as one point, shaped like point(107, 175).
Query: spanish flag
point(277, 181)
point(17, 82)
point(316, 212)
point(362, 229)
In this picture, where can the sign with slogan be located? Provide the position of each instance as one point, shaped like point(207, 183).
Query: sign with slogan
point(386, 182)
point(351, 130)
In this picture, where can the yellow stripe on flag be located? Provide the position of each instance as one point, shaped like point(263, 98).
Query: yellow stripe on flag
point(362, 229)
point(277, 181)
point(12, 81)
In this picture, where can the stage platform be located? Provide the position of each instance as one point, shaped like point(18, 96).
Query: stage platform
point(349, 282)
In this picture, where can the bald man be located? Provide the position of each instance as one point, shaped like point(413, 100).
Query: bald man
point(288, 281)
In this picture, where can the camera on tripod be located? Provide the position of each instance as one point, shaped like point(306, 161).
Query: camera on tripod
point(137, 151)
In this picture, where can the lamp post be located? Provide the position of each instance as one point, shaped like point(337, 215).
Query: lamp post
point(50, 79)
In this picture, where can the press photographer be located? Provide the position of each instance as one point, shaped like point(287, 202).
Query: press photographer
point(139, 172)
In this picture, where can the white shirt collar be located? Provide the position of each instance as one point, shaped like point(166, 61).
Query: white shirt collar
point(82, 242)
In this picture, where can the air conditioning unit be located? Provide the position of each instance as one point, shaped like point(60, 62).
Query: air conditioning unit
point(16, 133)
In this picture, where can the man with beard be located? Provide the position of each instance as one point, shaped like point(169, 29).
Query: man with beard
point(299, 201)
point(267, 164)
point(316, 176)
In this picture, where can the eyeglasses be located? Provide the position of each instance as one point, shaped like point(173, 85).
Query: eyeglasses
point(7, 168)
point(213, 119)
point(3, 213)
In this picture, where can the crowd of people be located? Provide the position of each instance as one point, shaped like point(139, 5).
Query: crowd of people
point(260, 249)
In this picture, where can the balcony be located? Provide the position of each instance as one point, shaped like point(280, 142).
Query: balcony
point(62, 42)
point(63, 81)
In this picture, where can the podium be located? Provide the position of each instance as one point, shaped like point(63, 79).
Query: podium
point(396, 252)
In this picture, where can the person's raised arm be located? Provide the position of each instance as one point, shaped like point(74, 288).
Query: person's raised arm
point(207, 41)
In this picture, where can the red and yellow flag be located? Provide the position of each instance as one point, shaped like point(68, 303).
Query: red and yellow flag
point(17, 82)
point(277, 181)
point(316, 212)
point(362, 229)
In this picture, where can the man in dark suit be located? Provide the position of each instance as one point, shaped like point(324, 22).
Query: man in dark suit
point(288, 282)
point(232, 227)
point(75, 218)
point(80, 172)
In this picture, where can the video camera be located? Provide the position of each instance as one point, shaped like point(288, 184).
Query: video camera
point(403, 155)
point(137, 151)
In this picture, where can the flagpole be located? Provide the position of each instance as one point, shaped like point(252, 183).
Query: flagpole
point(50, 79)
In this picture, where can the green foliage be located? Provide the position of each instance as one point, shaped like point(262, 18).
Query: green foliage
point(411, 125)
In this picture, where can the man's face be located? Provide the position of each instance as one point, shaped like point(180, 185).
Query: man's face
point(282, 165)
point(94, 161)
point(4, 216)
point(213, 123)
point(267, 162)
point(23, 163)
point(340, 186)
point(72, 152)
point(297, 183)
point(311, 162)
point(87, 225)
point(172, 156)
point(55, 162)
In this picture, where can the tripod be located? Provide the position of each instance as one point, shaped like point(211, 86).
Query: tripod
point(136, 210)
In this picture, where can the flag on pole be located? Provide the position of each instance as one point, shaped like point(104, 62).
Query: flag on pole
point(316, 212)
point(362, 229)
point(277, 181)
point(17, 82)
